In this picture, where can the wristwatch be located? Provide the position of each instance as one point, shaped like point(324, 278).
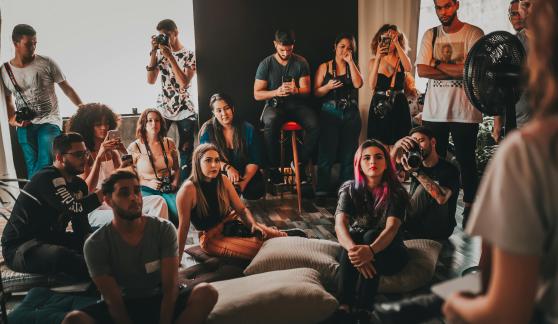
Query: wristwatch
point(151, 68)
point(436, 63)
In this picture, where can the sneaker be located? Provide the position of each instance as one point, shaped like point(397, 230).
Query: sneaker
point(410, 310)
point(275, 177)
point(303, 178)
point(295, 232)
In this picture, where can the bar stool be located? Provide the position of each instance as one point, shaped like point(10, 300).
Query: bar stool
point(292, 127)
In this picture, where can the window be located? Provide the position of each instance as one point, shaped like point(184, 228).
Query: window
point(101, 46)
point(489, 15)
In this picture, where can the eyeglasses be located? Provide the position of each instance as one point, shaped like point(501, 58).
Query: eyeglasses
point(513, 14)
point(79, 154)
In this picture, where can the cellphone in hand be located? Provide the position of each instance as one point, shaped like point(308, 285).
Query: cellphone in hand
point(113, 134)
point(286, 79)
point(385, 40)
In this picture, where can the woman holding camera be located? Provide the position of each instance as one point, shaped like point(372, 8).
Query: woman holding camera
point(389, 117)
point(335, 83)
point(156, 160)
point(369, 213)
point(238, 144)
point(97, 124)
point(209, 200)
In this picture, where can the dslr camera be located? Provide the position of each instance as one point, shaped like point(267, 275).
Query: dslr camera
point(414, 157)
point(166, 186)
point(25, 114)
point(162, 39)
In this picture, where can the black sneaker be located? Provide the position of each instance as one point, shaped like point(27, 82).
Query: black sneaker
point(295, 232)
point(303, 177)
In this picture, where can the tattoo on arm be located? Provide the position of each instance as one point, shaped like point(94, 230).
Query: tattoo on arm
point(434, 189)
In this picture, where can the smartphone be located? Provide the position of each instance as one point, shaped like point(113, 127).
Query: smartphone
point(385, 40)
point(113, 134)
point(286, 78)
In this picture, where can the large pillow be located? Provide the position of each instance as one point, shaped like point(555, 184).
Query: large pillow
point(423, 255)
point(296, 252)
point(287, 296)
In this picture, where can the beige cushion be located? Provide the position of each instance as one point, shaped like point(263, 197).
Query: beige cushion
point(296, 252)
point(423, 255)
point(287, 296)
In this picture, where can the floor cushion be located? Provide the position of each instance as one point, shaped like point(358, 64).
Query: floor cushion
point(423, 255)
point(286, 296)
point(14, 282)
point(295, 252)
point(44, 306)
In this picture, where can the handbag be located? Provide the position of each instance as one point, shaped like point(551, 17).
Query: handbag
point(385, 104)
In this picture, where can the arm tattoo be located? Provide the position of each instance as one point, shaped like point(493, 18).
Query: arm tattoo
point(435, 190)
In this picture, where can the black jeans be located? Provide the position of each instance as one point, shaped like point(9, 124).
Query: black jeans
point(186, 129)
point(428, 219)
point(290, 110)
point(338, 142)
point(465, 139)
point(64, 255)
point(255, 189)
point(357, 291)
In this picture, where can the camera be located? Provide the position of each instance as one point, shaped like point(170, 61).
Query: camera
point(342, 103)
point(162, 39)
point(414, 157)
point(166, 186)
point(236, 228)
point(275, 102)
point(382, 108)
point(24, 114)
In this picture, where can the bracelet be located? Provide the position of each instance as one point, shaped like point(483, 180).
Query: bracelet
point(151, 68)
point(372, 250)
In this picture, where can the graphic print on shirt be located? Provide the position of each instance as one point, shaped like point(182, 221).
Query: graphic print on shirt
point(174, 99)
point(450, 53)
point(67, 198)
point(34, 96)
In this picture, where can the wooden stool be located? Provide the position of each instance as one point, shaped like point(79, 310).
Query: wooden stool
point(293, 127)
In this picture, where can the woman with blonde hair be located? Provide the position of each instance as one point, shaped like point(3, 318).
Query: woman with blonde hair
point(210, 202)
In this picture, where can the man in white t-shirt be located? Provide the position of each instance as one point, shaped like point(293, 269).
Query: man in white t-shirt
point(446, 107)
point(178, 67)
point(35, 76)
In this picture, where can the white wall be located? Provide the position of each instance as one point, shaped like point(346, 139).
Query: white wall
point(102, 46)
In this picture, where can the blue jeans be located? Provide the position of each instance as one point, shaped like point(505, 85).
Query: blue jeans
point(186, 132)
point(36, 143)
point(170, 199)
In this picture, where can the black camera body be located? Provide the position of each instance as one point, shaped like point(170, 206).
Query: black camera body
point(25, 114)
point(383, 107)
point(236, 228)
point(166, 186)
point(275, 102)
point(414, 157)
point(162, 39)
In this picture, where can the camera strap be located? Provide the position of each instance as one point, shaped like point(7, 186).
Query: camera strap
point(150, 155)
point(394, 76)
point(14, 82)
point(334, 74)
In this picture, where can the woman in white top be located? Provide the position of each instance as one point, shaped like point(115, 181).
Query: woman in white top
point(156, 160)
point(94, 121)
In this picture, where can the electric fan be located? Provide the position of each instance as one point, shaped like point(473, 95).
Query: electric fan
point(492, 74)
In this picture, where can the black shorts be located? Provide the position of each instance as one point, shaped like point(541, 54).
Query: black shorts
point(140, 310)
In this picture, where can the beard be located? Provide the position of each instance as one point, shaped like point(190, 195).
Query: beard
point(72, 170)
point(450, 20)
point(126, 214)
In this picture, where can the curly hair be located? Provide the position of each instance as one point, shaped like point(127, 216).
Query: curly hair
point(84, 120)
point(385, 28)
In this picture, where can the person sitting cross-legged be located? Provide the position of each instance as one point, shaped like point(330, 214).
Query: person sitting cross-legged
point(134, 263)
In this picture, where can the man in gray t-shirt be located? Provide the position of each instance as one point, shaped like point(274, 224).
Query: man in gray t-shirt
point(134, 263)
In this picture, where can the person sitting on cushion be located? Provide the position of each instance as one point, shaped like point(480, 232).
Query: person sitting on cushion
point(208, 200)
point(238, 144)
point(369, 214)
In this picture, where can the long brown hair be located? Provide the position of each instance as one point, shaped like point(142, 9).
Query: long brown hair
point(141, 133)
point(197, 177)
point(543, 68)
point(376, 39)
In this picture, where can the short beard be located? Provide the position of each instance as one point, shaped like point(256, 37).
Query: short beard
point(126, 214)
point(71, 170)
point(450, 21)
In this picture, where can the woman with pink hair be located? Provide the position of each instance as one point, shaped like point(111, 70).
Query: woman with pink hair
point(369, 213)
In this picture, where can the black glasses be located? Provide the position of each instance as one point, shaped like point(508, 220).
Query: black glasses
point(79, 154)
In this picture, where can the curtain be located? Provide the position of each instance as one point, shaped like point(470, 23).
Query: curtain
point(372, 14)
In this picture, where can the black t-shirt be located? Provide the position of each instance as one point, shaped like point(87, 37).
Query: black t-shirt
point(446, 175)
point(361, 211)
point(271, 71)
point(44, 208)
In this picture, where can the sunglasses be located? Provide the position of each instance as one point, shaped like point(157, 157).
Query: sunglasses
point(79, 154)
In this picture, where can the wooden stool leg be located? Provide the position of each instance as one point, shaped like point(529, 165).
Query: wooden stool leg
point(297, 172)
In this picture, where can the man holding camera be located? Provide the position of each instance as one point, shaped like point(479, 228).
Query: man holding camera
point(35, 239)
point(434, 185)
point(178, 67)
point(283, 81)
point(30, 78)
point(446, 106)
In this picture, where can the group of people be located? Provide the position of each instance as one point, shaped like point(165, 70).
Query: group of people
point(127, 193)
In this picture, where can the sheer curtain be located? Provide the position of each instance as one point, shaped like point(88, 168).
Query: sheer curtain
point(372, 14)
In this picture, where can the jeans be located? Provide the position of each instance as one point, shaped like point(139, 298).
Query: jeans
point(36, 143)
point(274, 118)
point(465, 139)
point(186, 130)
point(170, 199)
point(357, 291)
point(61, 256)
point(428, 219)
point(338, 142)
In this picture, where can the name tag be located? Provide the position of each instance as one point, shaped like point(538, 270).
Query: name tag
point(152, 266)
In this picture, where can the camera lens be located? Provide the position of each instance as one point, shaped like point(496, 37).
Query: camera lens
point(414, 157)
